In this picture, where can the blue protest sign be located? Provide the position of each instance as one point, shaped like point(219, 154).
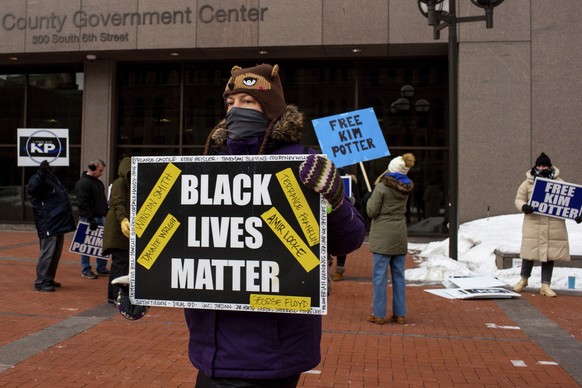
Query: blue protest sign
point(88, 242)
point(352, 137)
point(347, 185)
point(556, 198)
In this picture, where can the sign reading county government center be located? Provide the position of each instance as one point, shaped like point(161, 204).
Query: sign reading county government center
point(556, 198)
point(41, 25)
point(227, 233)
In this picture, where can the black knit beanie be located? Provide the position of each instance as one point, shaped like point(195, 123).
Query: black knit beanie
point(543, 160)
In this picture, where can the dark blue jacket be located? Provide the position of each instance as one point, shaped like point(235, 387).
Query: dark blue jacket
point(51, 205)
point(267, 345)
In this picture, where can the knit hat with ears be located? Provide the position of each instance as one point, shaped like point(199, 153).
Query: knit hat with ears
point(263, 83)
point(402, 164)
point(543, 160)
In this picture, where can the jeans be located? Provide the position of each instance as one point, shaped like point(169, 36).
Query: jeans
point(101, 264)
point(547, 270)
point(380, 281)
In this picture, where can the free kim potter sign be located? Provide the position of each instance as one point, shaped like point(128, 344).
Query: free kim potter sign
point(351, 137)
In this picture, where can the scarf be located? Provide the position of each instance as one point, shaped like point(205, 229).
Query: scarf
point(548, 173)
point(400, 177)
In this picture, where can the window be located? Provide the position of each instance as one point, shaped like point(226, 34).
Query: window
point(36, 98)
point(171, 109)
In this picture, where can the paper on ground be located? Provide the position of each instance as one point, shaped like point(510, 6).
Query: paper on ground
point(472, 281)
point(474, 293)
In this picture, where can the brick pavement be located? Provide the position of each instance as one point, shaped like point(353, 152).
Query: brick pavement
point(73, 338)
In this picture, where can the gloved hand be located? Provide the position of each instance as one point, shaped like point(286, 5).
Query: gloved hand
point(93, 224)
point(578, 219)
point(527, 209)
point(125, 227)
point(320, 174)
point(123, 303)
point(44, 167)
point(128, 310)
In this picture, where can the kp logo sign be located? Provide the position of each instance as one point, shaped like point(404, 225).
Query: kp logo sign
point(38, 144)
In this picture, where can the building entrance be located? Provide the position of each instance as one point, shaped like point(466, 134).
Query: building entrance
point(169, 109)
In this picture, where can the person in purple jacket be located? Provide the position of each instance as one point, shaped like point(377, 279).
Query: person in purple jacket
point(252, 349)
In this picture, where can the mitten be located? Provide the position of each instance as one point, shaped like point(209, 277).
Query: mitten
point(123, 303)
point(128, 310)
point(125, 227)
point(320, 174)
point(527, 209)
point(578, 219)
point(44, 168)
point(92, 224)
point(122, 281)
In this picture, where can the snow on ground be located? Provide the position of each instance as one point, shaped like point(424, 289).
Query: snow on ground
point(477, 240)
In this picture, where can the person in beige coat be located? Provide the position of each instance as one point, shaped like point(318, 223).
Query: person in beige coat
point(544, 239)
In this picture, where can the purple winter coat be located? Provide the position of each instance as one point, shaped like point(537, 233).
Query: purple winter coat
point(261, 345)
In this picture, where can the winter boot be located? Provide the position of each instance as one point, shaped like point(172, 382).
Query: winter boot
point(520, 285)
point(339, 274)
point(376, 320)
point(547, 291)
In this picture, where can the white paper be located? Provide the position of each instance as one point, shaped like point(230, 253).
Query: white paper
point(474, 293)
point(472, 281)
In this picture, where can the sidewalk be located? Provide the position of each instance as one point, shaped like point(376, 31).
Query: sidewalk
point(73, 338)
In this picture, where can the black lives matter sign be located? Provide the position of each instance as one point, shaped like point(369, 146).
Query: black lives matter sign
point(227, 233)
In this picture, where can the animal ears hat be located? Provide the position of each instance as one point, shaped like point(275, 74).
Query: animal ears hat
point(263, 83)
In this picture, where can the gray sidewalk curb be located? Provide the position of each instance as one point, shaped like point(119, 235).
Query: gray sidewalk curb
point(563, 347)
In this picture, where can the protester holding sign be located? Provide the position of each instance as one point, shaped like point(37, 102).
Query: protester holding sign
point(544, 238)
point(92, 210)
point(256, 348)
point(53, 217)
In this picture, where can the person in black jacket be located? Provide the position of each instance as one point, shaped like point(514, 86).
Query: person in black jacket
point(92, 210)
point(53, 217)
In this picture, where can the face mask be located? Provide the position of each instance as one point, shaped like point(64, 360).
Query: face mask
point(545, 173)
point(242, 123)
